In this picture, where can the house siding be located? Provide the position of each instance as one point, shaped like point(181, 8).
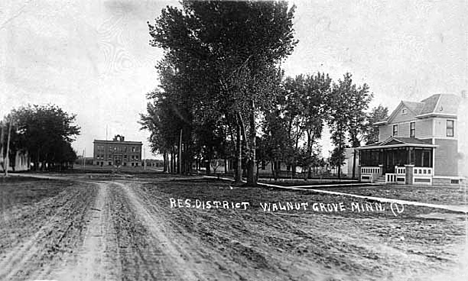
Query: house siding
point(446, 156)
point(441, 127)
point(424, 128)
point(385, 131)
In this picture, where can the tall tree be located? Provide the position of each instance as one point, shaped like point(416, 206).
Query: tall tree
point(317, 88)
point(377, 114)
point(358, 126)
point(230, 50)
point(43, 132)
point(347, 104)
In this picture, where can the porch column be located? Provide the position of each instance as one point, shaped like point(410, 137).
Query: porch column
point(408, 149)
point(409, 174)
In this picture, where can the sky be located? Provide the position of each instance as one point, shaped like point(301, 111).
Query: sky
point(92, 58)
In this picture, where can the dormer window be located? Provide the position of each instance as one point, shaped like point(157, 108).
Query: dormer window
point(395, 130)
point(404, 111)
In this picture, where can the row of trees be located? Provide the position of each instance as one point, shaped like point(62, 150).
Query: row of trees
point(45, 133)
point(223, 95)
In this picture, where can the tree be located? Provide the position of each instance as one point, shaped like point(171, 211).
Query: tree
point(229, 52)
point(377, 114)
point(275, 141)
point(10, 142)
point(45, 132)
point(358, 126)
point(347, 103)
point(317, 88)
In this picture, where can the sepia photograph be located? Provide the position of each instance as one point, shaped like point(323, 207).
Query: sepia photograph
point(233, 140)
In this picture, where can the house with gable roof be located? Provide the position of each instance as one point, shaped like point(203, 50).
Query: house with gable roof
point(418, 144)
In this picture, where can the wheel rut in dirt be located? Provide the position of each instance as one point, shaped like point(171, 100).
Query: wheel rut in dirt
point(96, 259)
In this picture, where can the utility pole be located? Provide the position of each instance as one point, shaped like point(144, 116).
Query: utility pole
point(7, 159)
point(84, 160)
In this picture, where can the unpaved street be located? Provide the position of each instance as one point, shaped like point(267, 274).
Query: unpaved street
point(131, 229)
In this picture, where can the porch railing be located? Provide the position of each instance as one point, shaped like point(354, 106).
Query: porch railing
point(400, 170)
point(371, 170)
point(423, 171)
point(370, 173)
point(390, 177)
point(423, 175)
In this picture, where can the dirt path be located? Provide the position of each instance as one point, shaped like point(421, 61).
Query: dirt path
point(45, 233)
point(179, 256)
point(127, 230)
point(91, 261)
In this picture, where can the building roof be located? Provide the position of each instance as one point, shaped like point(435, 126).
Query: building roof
point(435, 105)
point(119, 142)
point(400, 142)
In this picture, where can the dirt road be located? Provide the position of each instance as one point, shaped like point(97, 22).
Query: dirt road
point(131, 229)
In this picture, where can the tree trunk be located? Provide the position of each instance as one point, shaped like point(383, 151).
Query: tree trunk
point(339, 162)
point(208, 166)
point(6, 160)
point(238, 170)
point(251, 175)
point(172, 162)
point(179, 168)
point(273, 164)
point(354, 164)
point(165, 164)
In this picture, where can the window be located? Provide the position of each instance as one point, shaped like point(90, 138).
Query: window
point(395, 130)
point(404, 111)
point(412, 130)
point(450, 128)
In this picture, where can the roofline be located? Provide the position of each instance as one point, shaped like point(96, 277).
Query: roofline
point(381, 123)
point(125, 142)
point(394, 112)
point(396, 145)
point(404, 103)
point(432, 114)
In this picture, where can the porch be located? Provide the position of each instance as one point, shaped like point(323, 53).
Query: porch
point(398, 161)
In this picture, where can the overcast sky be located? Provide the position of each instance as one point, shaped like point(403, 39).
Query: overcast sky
point(92, 57)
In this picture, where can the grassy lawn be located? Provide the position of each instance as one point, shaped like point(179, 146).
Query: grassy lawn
point(444, 195)
point(370, 242)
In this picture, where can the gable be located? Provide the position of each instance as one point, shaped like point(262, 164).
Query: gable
point(403, 112)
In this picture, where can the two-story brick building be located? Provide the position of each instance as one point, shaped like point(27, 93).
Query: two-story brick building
point(418, 144)
point(117, 152)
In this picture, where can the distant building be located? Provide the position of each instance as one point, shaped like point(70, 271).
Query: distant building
point(350, 162)
point(22, 161)
point(117, 152)
point(418, 144)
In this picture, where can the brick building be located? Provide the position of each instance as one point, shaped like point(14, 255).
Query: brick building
point(117, 152)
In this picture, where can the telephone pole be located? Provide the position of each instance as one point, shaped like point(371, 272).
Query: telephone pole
point(7, 159)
